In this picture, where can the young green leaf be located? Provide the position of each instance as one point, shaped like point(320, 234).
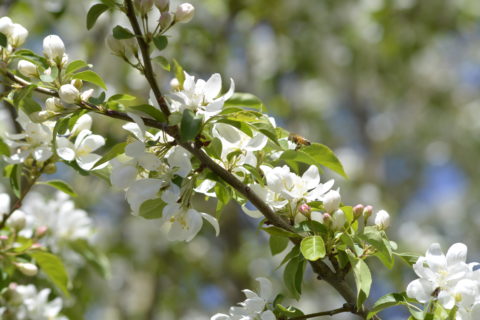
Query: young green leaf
point(53, 267)
point(313, 248)
point(117, 149)
point(75, 65)
point(387, 301)
point(152, 209)
point(92, 77)
point(277, 244)
point(95, 12)
point(4, 149)
point(60, 185)
point(363, 278)
point(149, 110)
point(324, 156)
point(163, 62)
point(245, 100)
point(190, 126)
point(120, 33)
point(160, 42)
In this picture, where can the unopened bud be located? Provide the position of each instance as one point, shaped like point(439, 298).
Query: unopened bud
point(367, 212)
point(143, 6)
point(53, 48)
point(54, 104)
point(338, 220)
point(77, 83)
point(41, 231)
point(358, 211)
point(50, 168)
point(17, 220)
point(327, 219)
point(382, 219)
point(3, 237)
point(69, 94)
point(18, 35)
point(28, 269)
point(184, 13)
point(304, 208)
point(6, 25)
point(331, 201)
point(162, 5)
point(41, 116)
point(166, 20)
point(85, 95)
point(27, 68)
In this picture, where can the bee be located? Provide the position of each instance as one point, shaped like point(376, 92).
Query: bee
point(299, 140)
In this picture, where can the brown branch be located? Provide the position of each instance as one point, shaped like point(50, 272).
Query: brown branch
point(345, 308)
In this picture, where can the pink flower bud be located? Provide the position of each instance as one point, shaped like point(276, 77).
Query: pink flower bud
point(41, 231)
point(358, 210)
point(304, 208)
point(367, 212)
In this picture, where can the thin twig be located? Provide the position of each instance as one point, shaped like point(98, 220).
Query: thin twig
point(346, 308)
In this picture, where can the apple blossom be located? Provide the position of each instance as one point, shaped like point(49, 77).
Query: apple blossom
point(82, 150)
point(6, 25)
point(184, 13)
point(17, 36)
point(17, 220)
point(27, 68)
point(331, 201)
point(69, 94)
point(382, 219)
point(28, 269)
point(54, 48)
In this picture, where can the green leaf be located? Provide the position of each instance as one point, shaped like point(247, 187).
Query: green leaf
point(163, 62)
point(409, 257)
point(214, 149)
point(160, 42)
point(387, 301)
point(276, 231)
point(293, 276)
point(152, 209)
point(363, 278)
point(95, 12)
point(324, 156)
point(376, 238)
point(60, 185)
point(121, 97)
point(246, 100)
point(97, 100)
point(120, 33)
point(4, 149)
point(277, 244)
point(3, 40)
point(190, 126)
point(92, 255)
point(92, 77)
point(50, 77)
point(53, 267)
point(149, 110)
point(16, 179)
point(313, 248)
point(178, 71)
point(75, 65)
point(117, 149)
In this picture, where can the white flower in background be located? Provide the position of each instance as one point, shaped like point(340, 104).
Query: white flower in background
point(4, 204)
point(202, 97)
point(183, 223)
point(82, 150)
point(17, 36)
point(184, 13)
point(331, 201)
point(274, 200)
point(143, 6)
point(254, 307)
point(162, 5)
point(442, 274)
point(141, 191)
point(382, 219)
point(233, 140)
point(17, 220)
point(36, 305)
point(35, 140)
point(6, 25)
point(179, 161)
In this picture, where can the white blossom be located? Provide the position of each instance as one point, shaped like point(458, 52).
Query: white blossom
point(17, 36)
point(69, 94)
point(184, 13)
point(331, 201)
point(183, 223)
point(27, 68)
point(382, 219)
point(36, 305)
point(54, 48)
point(82, 150)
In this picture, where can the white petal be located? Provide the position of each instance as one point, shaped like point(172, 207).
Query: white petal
point(266, 290)
point(230, 91)
point(267, 315)
point(311, 177)
point(4, 203)
point(135, 149)
point(65, 149)
point(87, 162)
point(212, 87)
point(258, 142)
point(420, 289)
point(91, 143)
point(42, 153)
point(212, 220)
point(252, 213)
point(171, 195)
point(135, 130)
point(220, 316)
point(141, 191)
point(457, 253)
point(435, 257)
point(122, 176)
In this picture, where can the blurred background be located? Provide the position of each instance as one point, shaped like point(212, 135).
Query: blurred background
point(392, 86)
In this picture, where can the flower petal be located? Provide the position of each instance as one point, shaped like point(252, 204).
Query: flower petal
point(212, 221)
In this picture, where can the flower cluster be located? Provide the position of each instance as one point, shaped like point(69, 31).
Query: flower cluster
point(449, 280)
point(255, 307)
point(16, 34)
point(25, 302)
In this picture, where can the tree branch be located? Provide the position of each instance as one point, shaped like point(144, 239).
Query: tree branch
point(345, 308)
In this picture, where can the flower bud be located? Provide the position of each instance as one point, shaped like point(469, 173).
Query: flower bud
point(28, 269)
point(3, 237)
point(69, 94)
point(77, 83)
point(166, 20)
point(317, 216)
point(367, 212)
point(17, 220)
point(41, 116)
point(117, 46)
point(304, 208)
point(327, 219)
point(27, 68)
point(358, 211)
point(6, 25)
point(18, 35)
point(143, 6)
point(184, 13)
point(51, 168)
point(86, 94)
point(41, 231)
point(162, 5)
point(54, 104)
point(338, 220)
point(175, 84)
point(331, 200)
point(53, 48)
point(382, 219)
